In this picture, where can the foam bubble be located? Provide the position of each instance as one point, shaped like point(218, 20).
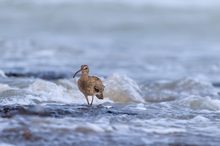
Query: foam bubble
point(121, 88)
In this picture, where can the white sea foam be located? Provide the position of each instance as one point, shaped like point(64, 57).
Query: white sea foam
point(6, 144)
point(195, 94)
point(160, 126)
point(51, 92)
point(195, 86)
point(164, 130)
point(140, 106)
point(90, 127)
point(61, 91)
point(121, 88)
point(10, 97)
point(72, 124)
point(174, 90)
point(2, 74)
point(13, 95)
point(200, 103)
point(4, 87)
point(37, 92)
point(199, 119)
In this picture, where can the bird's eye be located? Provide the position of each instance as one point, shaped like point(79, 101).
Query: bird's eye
point(85, 68)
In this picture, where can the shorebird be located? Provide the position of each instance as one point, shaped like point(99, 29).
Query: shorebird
point(89, 85)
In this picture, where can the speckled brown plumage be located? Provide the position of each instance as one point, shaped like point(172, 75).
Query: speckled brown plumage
point(89, 85)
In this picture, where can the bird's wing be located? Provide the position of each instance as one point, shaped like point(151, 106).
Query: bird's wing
point(98, 87)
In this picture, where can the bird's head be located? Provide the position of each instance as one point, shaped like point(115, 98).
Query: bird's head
point(84, 69)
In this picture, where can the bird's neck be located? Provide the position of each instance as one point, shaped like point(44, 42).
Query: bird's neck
point(84, 76)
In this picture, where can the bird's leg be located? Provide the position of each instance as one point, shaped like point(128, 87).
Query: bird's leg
point(92, 100)
point(87, 99)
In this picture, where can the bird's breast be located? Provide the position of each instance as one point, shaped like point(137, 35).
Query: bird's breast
point(86, 87)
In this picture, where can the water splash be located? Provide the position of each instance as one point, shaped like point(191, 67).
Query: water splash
point(4, 87)
point(2, 74)
point(193, 93)
point(175, 90)
point(51, 92)
point(121, 88)
point(200, 103)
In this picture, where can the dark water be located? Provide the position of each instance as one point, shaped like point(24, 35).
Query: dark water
point(107, 124)
point(159, 62)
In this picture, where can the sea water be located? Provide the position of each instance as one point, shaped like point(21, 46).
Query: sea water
point(159, 62)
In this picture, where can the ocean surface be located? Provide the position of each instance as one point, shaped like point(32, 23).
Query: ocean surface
point(159, 61)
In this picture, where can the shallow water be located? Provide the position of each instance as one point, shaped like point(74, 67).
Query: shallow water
point(159, 63)
point(108, 124)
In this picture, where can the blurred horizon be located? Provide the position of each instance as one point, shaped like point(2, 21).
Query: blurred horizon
point(169, 40)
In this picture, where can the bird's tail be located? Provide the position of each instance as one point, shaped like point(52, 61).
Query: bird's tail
point(100, 96)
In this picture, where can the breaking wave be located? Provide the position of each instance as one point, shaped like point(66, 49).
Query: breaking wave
point(121, 88)
point(173, 90)
point(200, 103)
point(194, 93)
point(2, 74)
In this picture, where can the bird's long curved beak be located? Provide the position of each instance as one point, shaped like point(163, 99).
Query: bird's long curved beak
point(76, 73)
